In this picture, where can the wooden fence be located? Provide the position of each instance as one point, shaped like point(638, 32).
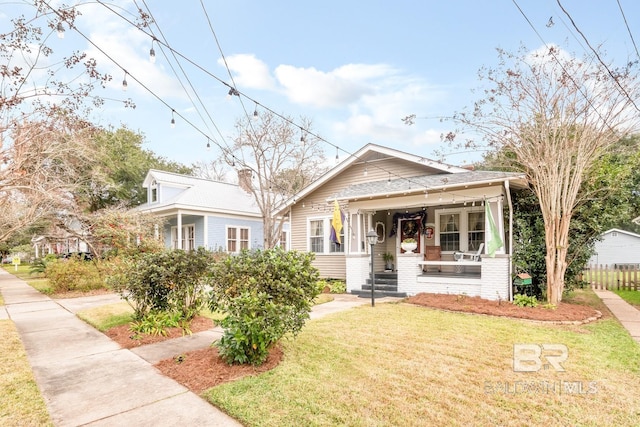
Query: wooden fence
point(617, 276)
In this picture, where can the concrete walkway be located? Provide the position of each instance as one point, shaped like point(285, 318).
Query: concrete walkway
point(628, 315)
point(87, 379)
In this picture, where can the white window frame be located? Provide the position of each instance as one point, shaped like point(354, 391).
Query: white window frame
point(154, 192)
point(464, 225)
point(327, 244)
point(238, 240)
point(188, 237)
point(284, 240)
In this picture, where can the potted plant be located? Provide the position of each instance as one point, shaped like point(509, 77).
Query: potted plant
point(409, 245)
point(388, 260)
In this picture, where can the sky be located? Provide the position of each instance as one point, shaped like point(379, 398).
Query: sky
point(355, 68)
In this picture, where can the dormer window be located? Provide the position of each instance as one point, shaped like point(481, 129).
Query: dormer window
point(154, 191)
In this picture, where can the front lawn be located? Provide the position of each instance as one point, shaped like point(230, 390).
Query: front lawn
point(632, 297)
point(403, 365)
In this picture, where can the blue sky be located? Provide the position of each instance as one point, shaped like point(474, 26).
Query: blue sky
point(354, 68)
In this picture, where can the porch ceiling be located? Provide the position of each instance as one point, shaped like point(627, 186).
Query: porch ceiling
point(418, 184)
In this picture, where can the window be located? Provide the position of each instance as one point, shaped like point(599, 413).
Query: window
point(476, 230)
point(460, 230)
point(319, 237)
point(450, 232)
point(188, 237)
point(154, 191)
point(284, 239)
point(316, 236)
point(237, 239)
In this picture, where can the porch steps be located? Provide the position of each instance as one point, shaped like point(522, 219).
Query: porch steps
point(386, 285)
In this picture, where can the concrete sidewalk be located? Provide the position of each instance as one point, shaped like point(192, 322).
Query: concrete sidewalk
point(87, 379)
point(628, 315)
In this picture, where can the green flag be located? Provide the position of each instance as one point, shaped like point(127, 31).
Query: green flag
point(494, 239)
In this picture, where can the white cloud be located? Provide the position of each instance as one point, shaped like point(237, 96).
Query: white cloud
point(249, 71)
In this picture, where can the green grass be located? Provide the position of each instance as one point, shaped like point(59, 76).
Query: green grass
point(403, 365)
point(107, 316)
point(37, 281)
point(632, 297)
point(21, 403)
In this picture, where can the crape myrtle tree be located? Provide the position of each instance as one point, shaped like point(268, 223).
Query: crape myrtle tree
point(283, 158)
point(557, 115)
point(608, 198)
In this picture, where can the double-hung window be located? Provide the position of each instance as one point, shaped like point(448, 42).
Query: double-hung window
point(320, 237)
point(237, 239)
point(460, 230)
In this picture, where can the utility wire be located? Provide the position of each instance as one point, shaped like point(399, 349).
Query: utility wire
point(628, 29)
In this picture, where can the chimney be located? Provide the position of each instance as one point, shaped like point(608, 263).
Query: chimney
point(244, 179)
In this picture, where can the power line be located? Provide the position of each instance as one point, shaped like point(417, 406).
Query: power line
point(628, 29)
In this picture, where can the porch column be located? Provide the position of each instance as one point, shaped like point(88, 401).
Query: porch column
point(205, 230)
point(179, 234)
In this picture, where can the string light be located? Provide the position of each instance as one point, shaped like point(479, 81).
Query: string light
point(173, 120)
point(232, 92)
point(60, 30)
point(255, 112)
point(337, 157)
point(365, 173)
point(152, 53)
point(389, 179)
point(208, 145)
point(124, 81)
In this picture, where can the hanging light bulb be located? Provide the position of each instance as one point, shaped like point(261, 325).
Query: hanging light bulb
point(232, 92)
point(124, 81)
point(366, 172)
point(208, 144)
point(60, 30)
point(173, 120)
point(337, 157)
point(152, 54)
point(389, 179)
point(255, 112)
point(426, 194)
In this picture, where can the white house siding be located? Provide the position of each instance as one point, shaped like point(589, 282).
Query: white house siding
point(617, 247)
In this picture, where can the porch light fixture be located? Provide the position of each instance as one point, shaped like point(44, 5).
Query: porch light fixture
point(372, 239)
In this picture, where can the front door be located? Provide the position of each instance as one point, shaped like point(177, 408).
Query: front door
point(410, 228)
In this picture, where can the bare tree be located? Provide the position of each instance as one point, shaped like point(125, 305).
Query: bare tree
point(214, 170)
point(283, 158)
point(556, 115)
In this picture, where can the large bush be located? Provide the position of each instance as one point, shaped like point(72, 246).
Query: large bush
point(171, 280)
point(265, 294)
point(73, 274)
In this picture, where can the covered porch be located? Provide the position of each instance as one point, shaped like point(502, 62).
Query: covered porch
point(445, 221)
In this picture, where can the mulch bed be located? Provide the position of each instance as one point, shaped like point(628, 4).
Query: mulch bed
point(123, 335)
point(563, 313)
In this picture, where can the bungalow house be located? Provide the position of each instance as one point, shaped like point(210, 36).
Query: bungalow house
point(204, 213)
point(455, 215)
point(617, 248)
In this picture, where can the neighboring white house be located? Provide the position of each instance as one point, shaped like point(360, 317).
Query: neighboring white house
point(617, 247)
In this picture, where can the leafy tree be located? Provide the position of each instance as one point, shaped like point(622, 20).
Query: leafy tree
point(283, 163)
point(609, 198)
point(120, 167)
point(556, 115)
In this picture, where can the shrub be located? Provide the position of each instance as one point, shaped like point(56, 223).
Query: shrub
point(525, 300)
point(157, 322)
point(73, 275)
point(265, 295)
point(39, 265)
point(171, 280)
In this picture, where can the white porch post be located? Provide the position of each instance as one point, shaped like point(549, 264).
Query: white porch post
point(179, 234)
point(206, 232)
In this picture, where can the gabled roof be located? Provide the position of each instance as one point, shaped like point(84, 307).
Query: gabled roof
point(201, 194)
point(628, 233)
point(436, 182)
point(440, 175)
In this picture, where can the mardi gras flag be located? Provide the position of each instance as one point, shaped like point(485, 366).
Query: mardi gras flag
point(336, 223)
